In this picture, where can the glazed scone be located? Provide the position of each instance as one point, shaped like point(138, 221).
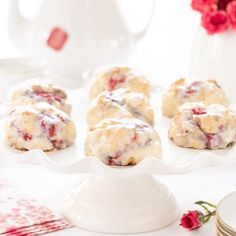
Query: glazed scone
point(200, 126)
point(30, 94)
point(39, 126)
point(182, 91)
point(120, 103)
point(111, 78)
point(122, 142)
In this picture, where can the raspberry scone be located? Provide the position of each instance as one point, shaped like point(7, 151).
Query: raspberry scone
point(40, 126)
point(122, 142)
point(182, 91)
point(200, 126)
point(120, 103)
point(29, 94)
point(112, 78)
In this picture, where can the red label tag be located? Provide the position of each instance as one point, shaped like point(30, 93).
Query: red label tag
point(57, 39)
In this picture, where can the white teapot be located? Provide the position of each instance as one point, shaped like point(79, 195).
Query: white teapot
point(73, 36)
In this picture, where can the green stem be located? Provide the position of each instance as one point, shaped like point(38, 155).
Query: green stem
point(208, 216)
point(206, 203)
point(205, 208)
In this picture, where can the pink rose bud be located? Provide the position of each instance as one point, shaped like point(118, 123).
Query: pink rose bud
point(215, 21)
point(231, 10)
point(191, 220)
point(204, 5)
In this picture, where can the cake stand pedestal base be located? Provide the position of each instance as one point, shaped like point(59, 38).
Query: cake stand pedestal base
point(120, 204)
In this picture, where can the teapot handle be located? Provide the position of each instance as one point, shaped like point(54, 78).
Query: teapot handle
point(19, 27)
point(138, 35)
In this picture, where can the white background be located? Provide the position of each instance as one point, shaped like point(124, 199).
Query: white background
point(164, 54)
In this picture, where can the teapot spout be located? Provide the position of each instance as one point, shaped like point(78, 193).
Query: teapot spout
point(19, 28)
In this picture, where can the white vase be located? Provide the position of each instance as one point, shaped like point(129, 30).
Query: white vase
point(214, 57)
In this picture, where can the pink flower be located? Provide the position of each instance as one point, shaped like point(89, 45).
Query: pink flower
point(222, 4)
point(231, 10)
point(191, 220)
point(195, 219)
point(215, 21)
point(204, 5)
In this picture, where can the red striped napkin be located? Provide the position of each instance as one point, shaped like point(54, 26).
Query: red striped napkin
point(23, 216)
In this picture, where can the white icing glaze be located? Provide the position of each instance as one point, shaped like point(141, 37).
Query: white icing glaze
point(115, 77)
point(199, 126)
point(32, 93)
point(40, 126)
point(122, 141)
point(182, 91)
point(120, 103)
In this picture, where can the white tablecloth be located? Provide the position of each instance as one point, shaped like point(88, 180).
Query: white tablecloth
point(209, 183)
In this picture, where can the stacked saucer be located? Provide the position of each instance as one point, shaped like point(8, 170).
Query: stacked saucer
point(226, 216)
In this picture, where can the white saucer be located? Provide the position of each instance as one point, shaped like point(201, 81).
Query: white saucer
point(226, 211)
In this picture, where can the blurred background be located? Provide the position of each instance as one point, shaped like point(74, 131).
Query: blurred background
point(163, 53)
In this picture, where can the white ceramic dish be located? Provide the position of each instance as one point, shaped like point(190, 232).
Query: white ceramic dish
point(223, 229)
point(121, 199)
point(226, 212)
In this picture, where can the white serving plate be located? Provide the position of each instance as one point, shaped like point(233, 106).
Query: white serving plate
point(175, 160)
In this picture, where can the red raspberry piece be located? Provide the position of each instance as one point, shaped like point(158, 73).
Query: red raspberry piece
point(44, 95)
point(57, 98)
point(43, 124)
point(122, 80)
point(57, 143)
point(209, 138)
point(27, 137)
point(112, 160)
point(190, 90)
point(199, 111)
point(48, 96)
point(51, 130)
point(113, 82)
point(195, 83)
point(62, 119)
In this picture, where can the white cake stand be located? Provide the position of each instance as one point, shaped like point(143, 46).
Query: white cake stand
point(121, 205)
point(118, 200)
